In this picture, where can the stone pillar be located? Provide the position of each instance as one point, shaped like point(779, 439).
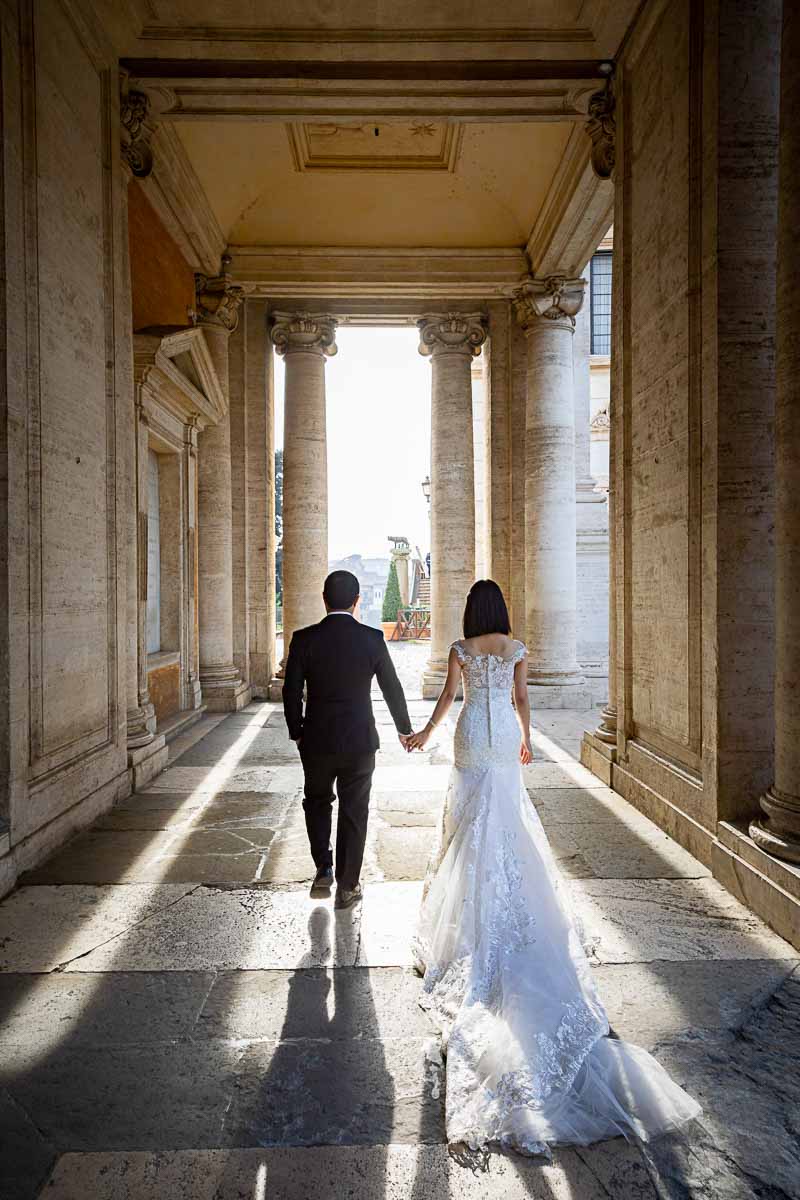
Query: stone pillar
point(261, 497)
point(480, 448)
point(778, 830)
point(498, 482)
point(304, 339)
point(452, 340)
point(546, 311)
point(224, 690)
point(400, 556)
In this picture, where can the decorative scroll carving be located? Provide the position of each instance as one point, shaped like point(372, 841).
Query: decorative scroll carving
point(555, 298)
point(462, 333)
point(311, 332)
point(602, 129)
point(137, 128)
point(218, 300)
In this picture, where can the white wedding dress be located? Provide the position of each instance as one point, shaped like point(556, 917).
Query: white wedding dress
point(529, 1059)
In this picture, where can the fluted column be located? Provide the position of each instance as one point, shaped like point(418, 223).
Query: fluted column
point(452, 340)
point(546, 310)
point(304, 340)
point(778, 831)
point(224, 690)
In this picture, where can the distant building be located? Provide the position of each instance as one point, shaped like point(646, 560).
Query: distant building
point(371, 573)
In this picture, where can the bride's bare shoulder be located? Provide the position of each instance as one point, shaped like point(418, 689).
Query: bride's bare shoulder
point(490, 643)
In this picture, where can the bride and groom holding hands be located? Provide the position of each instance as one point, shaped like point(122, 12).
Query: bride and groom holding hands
point(530, 1059)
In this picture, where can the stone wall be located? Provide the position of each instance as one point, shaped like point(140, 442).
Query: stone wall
point(162, 282)
point(695, 207)
point(67, 427)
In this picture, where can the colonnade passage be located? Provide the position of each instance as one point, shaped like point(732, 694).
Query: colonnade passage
point(181, 1019)
point(544, 568)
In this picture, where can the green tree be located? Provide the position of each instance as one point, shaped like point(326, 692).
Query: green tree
point(391, 597)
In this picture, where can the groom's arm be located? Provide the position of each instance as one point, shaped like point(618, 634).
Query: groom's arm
point(392, 690)
point(293, 681)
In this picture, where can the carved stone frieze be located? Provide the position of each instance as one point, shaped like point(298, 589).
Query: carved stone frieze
point(305, 331)
point(137, 127)
point(218, 300)
point(462, 333)
point(602, 129)
point(555, 298)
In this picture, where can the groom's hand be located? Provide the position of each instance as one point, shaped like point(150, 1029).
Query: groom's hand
point(404, 741)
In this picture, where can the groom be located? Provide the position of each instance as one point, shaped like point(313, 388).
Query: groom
point(337, 738)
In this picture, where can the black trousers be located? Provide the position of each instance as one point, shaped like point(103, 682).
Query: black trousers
point(352, 775)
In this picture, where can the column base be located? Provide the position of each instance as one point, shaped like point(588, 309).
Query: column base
point(598, 756)
point(145, 762)
point(141, 722)
point(275, 690)
point(778, 830)
point(224, 690)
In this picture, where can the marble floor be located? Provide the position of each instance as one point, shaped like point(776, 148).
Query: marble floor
point(180, 1020)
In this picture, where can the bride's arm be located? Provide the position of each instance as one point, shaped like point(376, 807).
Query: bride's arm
point(522, 706)
point(443, 704)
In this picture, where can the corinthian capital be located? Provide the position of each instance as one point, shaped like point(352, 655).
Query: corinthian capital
point(602, 129)
point(448, 333)
point(137, 126)
point(314, 333)
point(218, 301)
point(552, 299)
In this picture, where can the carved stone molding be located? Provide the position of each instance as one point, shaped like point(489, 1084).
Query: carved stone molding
point(602, 129)
point(448, 333)
point(555, 298)
point(305, 331)
point(218, 300)
point(137, 127)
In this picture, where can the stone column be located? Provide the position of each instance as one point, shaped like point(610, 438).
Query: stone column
point(778, 830)
point(480, 451)
point(224, 690)
point(498, 482)
point(452, 340)
point(305, 340)
point(400, 556)
point(546, 311)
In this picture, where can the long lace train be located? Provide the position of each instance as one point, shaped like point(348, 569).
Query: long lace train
point(529, 1062)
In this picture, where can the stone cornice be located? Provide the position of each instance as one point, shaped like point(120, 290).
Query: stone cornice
point(293, 272)
point(176, 194)
point(311, 333)
point(137, 126)
point(576, 213)
point(602, 130)
point(176, 370)
point(452, 333)
point(555, 299)
point(218, 300)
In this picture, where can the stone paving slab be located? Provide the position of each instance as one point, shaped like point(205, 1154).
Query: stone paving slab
point(39, 1012)
point(220, 779)
point(408, 808)
point(43, 927)
point(647, 1002)
point(568, 774)
point(403, 852)
point(393, 1172)
point(388, 923)
point(271, 745)
point(243, 929)
point(26, 1157)
point(348, 1002)
point(639, 920)
point(163, 811)
point(625, 853)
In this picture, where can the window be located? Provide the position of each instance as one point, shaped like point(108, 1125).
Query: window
point(600, 301)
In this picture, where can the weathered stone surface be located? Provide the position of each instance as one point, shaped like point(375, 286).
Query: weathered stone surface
point(638, 920)
point(42, 927)
point(26, 1157)
point(388, 923)
point(403, 852)
point(308, 1005)
point(395, 1172)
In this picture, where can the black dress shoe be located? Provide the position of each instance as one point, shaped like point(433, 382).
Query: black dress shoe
point(323, 882)
point(347, 897)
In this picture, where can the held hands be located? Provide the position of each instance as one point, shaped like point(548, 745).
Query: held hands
point(416, 741)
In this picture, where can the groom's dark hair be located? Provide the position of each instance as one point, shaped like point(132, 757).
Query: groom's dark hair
point(341, 590)
point(485, 610)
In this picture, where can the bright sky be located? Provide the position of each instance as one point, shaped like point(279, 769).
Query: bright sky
point(379, 420)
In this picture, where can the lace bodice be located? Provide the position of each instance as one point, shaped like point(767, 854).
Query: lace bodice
point(487, 730)
point(481, 671)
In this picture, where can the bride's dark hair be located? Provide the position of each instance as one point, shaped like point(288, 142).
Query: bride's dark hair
point(485, 610)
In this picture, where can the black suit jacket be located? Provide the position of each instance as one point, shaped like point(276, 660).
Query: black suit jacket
point(337, 660)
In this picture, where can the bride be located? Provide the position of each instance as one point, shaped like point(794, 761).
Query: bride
point(530, 1060)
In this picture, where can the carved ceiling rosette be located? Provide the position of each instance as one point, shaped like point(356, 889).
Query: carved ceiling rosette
point(602, 129)
point(461, 333)
point(555, 298)
point(218, 300)
point(311, 332)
